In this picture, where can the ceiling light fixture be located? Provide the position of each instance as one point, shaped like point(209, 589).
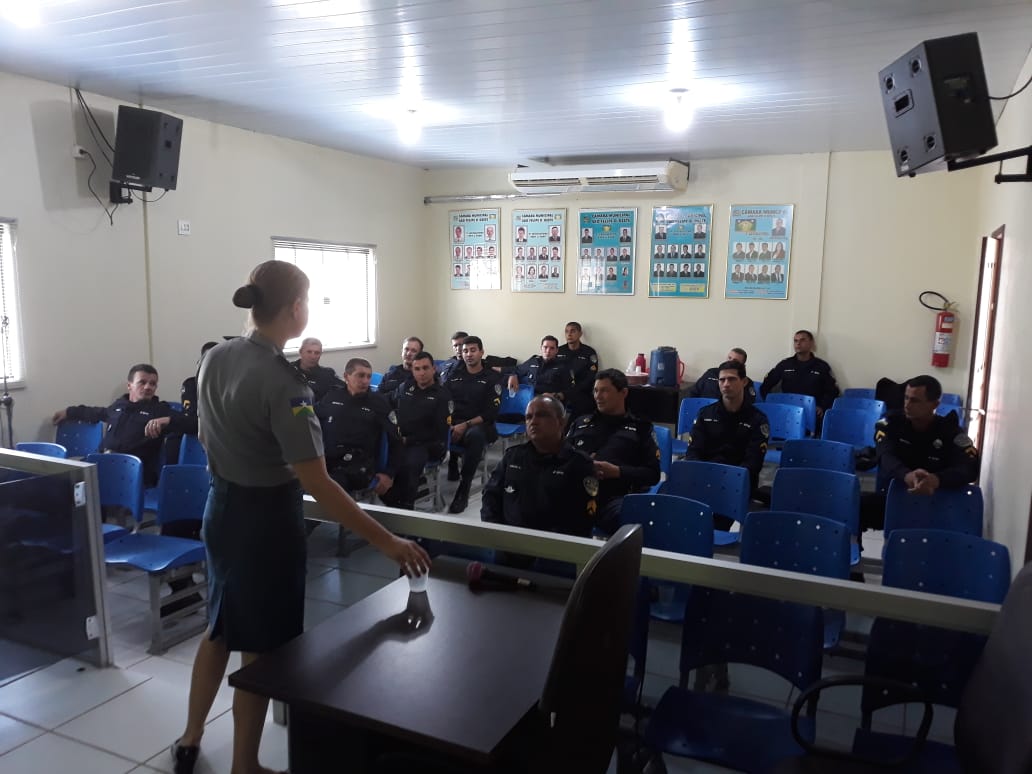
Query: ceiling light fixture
point(21, 13)
point(679, 111)
point(410, 127)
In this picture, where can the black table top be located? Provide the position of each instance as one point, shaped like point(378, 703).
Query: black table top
point(458, 683)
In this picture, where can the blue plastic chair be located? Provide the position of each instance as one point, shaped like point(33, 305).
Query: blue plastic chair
point(670, 523)
point(80, 438)
point(808, 403)
point(826, 493)
point(800, 542)
point(851, 426)
point(121, 482)
point(936, 561)
point(191, 452)
point(859, 392)
point(665, 442)
point(685, 417)
point(42, 448)
point(951, 399)
point(861, 404)
point(375, 379)
point(946, 408)
point(514, 404)
point(816, 453)
point(786, 423)
point(182, 494)
point(953, 510)
point(175, 405)
point(731, 731)
point(724, 488)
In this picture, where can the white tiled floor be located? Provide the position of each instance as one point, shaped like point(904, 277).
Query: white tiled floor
point(72, 717)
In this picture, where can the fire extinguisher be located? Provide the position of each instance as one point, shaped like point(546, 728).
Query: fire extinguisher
point(945, 325)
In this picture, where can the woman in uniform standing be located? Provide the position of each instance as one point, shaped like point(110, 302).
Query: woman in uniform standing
point(264, 445)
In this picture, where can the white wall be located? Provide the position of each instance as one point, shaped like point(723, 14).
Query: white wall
point(83, 283)
point(1008, 444)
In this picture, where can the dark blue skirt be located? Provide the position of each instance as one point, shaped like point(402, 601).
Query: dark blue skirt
point(255, 541)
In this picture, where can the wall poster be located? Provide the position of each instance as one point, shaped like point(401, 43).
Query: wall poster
point(680, 262)
point(538, 251)
point(759, 251)
point(605, 261)
point(475, 264)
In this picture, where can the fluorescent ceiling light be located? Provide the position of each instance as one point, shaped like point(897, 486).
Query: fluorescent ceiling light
point(678, 111)
point(22, 13)
point(410, 128)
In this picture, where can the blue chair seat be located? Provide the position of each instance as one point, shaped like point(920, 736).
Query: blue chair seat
point(679, 448)
point(153, 553)
point(507, 430)
point(733, 731)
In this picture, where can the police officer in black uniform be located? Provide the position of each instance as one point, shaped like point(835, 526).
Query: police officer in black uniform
point(545, 483)
point(400, 374)
point(354, 420)
point(920, 449)
point(730, 431)
point(476, 395)
point(423, 408)
point(804, 374)
point(708, 385)
point(321, 379)
point(544, 372)
point(582, 361)
point(456, 342)
point(622, 447)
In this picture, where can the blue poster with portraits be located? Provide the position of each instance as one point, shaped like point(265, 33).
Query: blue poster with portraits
point(476, 263)
point(605, 252)
point(538, 242)
point(679, 266)
point(759, 251)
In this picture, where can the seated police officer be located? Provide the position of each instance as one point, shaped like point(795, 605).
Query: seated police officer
point(136, 422)
point(804, 374)
point(582, 360)
point(456, 343)
point(708, 385)
point(400, 374)
point(354, 420)
point(423, 408)
point(543, 484)
point(320, 378)
point(920, 449)
point(544, 372)
point(622, 447)
point(476, 395)
point(730, 431)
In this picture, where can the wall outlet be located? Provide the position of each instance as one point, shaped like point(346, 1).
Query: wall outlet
point(78, 152)
point(184, 228)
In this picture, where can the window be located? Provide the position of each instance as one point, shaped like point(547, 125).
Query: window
point(11, 356)
point(342, 299)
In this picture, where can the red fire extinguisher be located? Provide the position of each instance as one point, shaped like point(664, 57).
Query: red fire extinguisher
point(945, 325)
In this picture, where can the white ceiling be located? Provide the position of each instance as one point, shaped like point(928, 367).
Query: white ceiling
point(499, 82)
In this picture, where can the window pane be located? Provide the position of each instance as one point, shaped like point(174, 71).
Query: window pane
point(10, 321)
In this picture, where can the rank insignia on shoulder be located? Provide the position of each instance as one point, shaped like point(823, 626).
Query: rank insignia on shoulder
point(591, 486)
point(301, 407)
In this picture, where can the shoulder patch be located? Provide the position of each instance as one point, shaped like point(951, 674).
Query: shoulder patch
point(594, 358)
point(393, 417)
point(498, 389)
point(963, 441)
point(302, 407)
point(765, 430)
point(591, 486)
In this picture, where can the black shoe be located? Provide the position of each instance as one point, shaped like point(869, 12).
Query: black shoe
point(184, 758)
point(453, 468)
point(458, 505)
point(179, 604)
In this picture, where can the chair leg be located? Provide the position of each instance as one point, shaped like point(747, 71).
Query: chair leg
point(172, 628)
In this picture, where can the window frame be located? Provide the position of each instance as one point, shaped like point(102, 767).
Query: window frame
point(10, 228)
point(372, 293)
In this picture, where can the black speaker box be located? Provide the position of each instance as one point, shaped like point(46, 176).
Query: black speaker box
point(937, 105)
point(146, 149)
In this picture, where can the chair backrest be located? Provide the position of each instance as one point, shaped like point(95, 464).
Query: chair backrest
point(175, 405)
point(952, 399)
point(953, 408)
point(687, 410)
point(826, 493)
point(724, 488)
point(859, 392)
point(851, 426)
point(375, 379)
point(954, 510)
point(991, 730)
point(939, 562)
point(518, 402)
point(808, 402)
point(671, 523)
point(861, 404)
point(182, 492)
point(817, 453)
point(796, 542)
point(665, 442)
point(785, 421)
point(191, 452)
point(121, 481)
point(80, 438)
point(580, 703)
point(43, 448)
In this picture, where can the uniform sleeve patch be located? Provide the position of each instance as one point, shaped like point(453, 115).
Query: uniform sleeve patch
point(963, 441)
point(302, 407)
point(591, 486)
point(765, 431)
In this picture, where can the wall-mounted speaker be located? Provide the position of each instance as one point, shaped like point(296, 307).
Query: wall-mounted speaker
point(146, 149)
point(937, 105)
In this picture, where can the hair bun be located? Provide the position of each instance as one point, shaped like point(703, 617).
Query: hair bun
point(247, 297)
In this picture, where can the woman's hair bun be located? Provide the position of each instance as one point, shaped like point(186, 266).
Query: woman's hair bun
point(247, 296)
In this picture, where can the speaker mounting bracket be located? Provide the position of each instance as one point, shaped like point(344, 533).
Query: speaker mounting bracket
point(1025, 153)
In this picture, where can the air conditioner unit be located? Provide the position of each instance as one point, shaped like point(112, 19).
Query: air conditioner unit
point(639, 176)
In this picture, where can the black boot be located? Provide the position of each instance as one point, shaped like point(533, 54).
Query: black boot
point(453, 467)
point(461, 500)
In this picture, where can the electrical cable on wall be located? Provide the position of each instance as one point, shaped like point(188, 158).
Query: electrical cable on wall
point(89, 184)
point(1016, 93)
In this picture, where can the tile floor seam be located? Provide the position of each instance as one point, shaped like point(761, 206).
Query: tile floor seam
point(107, 700)
point(72, 739)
